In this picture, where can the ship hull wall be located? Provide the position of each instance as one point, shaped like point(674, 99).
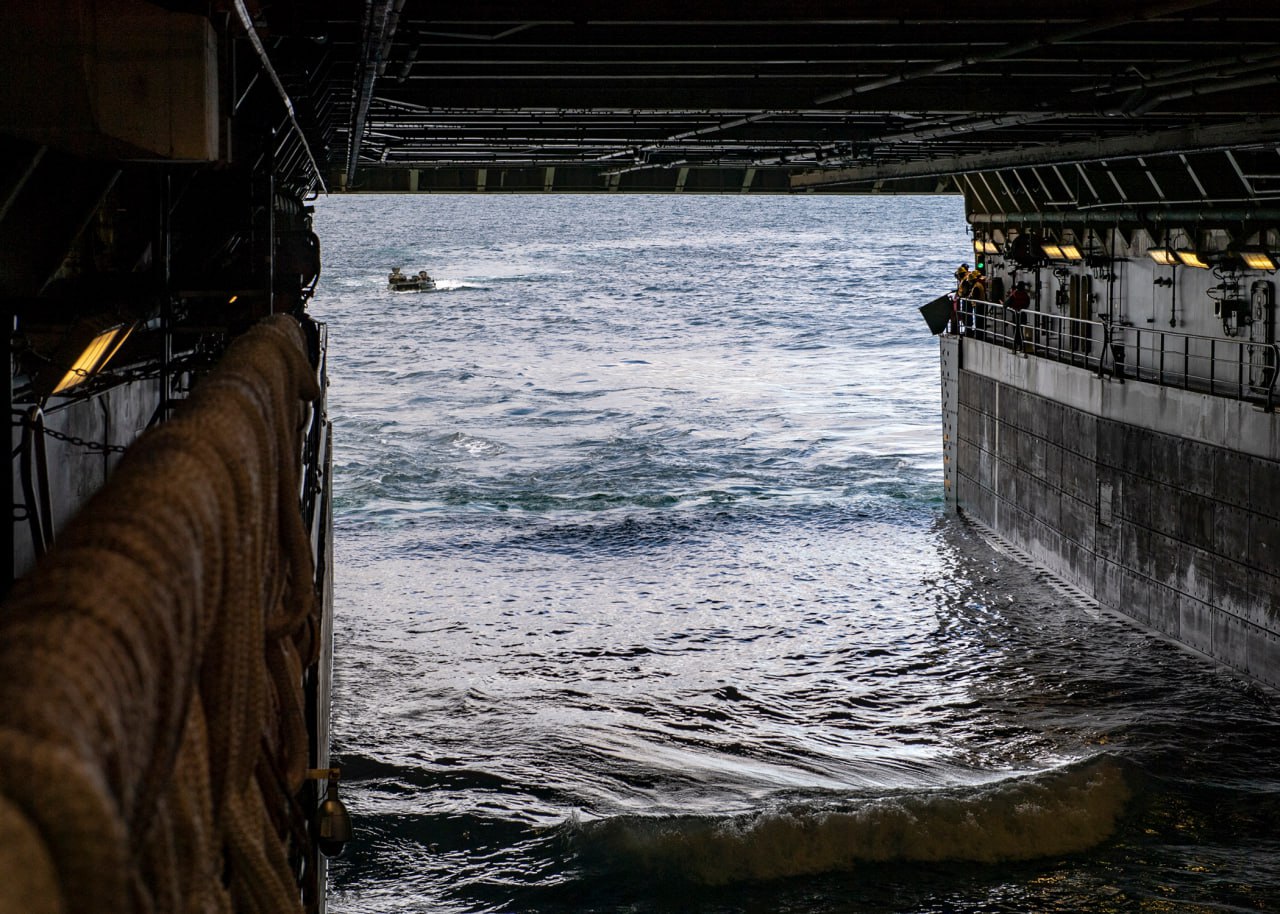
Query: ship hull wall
point(1160, 503)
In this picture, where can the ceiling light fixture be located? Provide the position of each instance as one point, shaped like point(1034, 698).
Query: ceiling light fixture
point(1258, 260)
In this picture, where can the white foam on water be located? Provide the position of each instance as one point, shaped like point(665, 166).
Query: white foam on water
point(1048, 814)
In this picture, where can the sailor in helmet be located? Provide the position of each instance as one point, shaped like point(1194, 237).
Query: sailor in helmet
point(977, 284)
point(396, 275)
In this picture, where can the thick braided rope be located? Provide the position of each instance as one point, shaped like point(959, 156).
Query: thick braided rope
point(152, 664)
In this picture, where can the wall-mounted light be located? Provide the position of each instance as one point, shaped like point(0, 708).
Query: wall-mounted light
point(94, 357)
point(1258, 260)
point(1163, 256)
point(1071, 252)
point(84, 350)
point(990, 247)
point(1052, 251)
point(1192, 259)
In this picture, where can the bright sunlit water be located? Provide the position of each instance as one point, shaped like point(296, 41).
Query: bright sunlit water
point(647, 600)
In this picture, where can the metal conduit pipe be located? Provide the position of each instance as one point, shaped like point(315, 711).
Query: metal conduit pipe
point(380, 29)
point(1210, 88)
point(251, 32)
point(374, 13)
point(990, 123)
point(1255, 132)
point(935, 130)
point(1067, 34)
point(958, 63)
point(688, 134)
point(1203, 69)
point(388, 35)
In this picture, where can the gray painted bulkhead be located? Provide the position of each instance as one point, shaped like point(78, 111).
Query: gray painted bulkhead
point(98, 426)
point(1162, 504)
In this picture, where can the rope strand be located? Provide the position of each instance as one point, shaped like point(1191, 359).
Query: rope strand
point(152, 666)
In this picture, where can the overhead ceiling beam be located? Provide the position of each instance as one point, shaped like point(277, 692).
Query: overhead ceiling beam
point(380, 29)
point(1184, 139)
point(1022, 47)
point(247, 23)
point(919, 89)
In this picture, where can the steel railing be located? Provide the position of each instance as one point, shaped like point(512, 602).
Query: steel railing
point(1242, 369)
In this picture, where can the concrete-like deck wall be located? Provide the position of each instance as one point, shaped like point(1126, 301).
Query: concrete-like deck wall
point(1163, 504)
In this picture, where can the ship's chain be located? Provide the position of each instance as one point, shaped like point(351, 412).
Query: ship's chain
point(76, 441)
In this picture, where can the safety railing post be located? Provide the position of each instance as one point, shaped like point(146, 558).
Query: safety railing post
point(1240, 370)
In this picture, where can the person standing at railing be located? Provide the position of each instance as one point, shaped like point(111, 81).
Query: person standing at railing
point(975, 285)
point(958, 316)
point(1018, 300)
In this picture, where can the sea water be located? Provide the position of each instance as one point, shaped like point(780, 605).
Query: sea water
point(647, 599)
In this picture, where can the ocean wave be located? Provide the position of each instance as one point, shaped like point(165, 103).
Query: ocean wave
point(1049, 814)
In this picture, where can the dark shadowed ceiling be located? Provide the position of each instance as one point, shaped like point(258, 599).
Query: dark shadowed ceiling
point(784, 95)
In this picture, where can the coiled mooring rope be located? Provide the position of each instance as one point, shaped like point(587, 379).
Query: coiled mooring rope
point(152, 739)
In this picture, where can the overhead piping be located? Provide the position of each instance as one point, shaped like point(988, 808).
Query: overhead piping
point(688, 134)
point(1219, 68)
point(1212, 88)
point(379, 32)
point(1077, 31)
point(944, 130)
point(251, 32)
point(1188, 139)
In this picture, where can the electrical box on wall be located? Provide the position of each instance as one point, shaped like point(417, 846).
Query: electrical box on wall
point(1232, 308)
point(1262, 307)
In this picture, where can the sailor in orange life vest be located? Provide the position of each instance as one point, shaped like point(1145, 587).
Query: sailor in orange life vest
point(1018, 299)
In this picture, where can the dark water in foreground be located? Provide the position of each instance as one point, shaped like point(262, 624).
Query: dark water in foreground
point(647, 601)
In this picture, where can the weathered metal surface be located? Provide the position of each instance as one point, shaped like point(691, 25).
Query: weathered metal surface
point(1174, 524)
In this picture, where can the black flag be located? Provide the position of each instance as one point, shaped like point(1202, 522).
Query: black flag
point(937, 314)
